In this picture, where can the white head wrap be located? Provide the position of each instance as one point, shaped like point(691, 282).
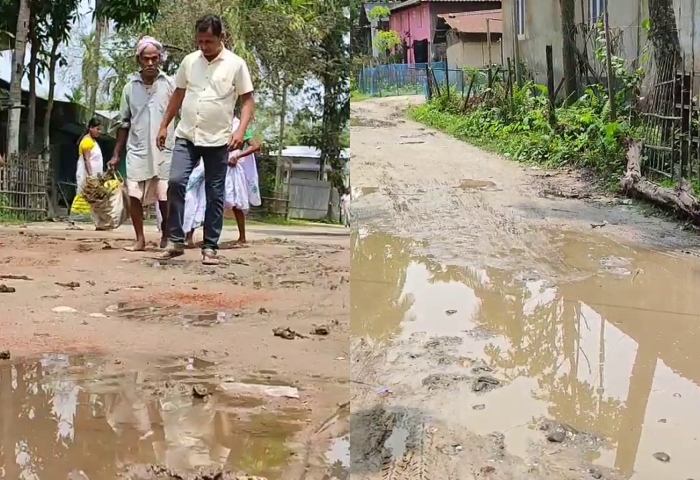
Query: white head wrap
point(147, 41)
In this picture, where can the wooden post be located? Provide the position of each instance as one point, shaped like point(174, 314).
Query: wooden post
point(488, 40)
point(550, 85)
point(608, 54)
point(447, 78)
point(429, 93)
point(510, 88)
point(516, 45)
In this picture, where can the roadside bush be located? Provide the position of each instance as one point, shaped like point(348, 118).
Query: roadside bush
point(583, 136)
point(518, 127)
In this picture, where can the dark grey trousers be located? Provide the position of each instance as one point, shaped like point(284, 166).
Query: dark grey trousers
point(186, 156)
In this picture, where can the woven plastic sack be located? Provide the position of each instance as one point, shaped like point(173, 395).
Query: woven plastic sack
point(113, 211)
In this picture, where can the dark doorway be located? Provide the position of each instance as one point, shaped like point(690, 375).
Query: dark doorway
point(420, 51)
point(404, 51)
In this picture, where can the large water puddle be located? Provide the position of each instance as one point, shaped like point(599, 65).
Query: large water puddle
point(64, 413)
point(614, 354)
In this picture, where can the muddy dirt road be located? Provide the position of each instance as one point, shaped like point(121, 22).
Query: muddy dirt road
point(118, 359)
point(509, 323)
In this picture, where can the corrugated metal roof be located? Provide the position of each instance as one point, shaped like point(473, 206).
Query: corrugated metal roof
point(475, 22)
point(300, 151)
point(410, 3)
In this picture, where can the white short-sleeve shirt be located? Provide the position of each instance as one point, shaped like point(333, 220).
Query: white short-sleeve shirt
point(211, 91)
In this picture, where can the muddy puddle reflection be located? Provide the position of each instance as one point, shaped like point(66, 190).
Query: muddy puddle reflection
point(613, 354)
point(62, 413)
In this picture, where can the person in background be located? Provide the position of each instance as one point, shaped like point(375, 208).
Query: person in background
point(241, 187)
point(208, 84)
point(195, 204)
point(345, 207)
point(90, 162)
point(144, 100)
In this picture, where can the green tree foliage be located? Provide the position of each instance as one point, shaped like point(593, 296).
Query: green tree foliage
point(332, 68)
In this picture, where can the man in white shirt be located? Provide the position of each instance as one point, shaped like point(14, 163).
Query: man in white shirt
point(144, 100)
point(207, 87)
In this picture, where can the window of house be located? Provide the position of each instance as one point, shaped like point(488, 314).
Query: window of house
point(520, 16)
point(597, 10)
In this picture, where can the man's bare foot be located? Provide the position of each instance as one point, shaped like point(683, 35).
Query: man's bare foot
point(138, 246)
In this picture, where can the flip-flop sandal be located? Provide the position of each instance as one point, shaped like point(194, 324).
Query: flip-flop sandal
point(170, 254)
point(132, 248)
point(209, 257)
point(210, 260)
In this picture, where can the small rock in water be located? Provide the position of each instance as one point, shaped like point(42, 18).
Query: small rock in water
point(595, 473)
point(320, 330)
point(200, 391)
point(5, 355)
point(63, 310)
point(77, 475)
point(450, 312)
point(480, 406)
point(662, 457)
point(557, 436)
point(662, 420)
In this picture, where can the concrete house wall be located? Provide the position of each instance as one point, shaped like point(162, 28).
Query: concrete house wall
point(543, 27)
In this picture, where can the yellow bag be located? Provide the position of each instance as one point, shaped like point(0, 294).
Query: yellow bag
point(80, 206)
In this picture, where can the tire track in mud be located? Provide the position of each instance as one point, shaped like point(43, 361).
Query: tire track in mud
point(414, 454)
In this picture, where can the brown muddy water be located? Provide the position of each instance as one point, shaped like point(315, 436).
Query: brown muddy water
point(472, 184)
point(613, 352)
point(60, 413)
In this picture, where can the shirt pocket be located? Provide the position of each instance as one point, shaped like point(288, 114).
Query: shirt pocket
point(222, 82)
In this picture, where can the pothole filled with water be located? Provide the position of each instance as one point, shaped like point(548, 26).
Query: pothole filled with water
point(63, 413)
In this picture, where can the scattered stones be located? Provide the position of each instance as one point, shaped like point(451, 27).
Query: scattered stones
point(488, 469)
point(557, 436)
point(321, 330)
point(69, 285)
point(595, 473)
point(286, 333)
point(98, 315)
point(200, 391)
point(263, 311)
point(485, 383)
point(5, 355)
point(64, 309)
point(5, 289)
point(112, 309)
point(662, 457)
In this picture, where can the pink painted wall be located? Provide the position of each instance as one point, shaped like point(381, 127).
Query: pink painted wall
point(412, 24)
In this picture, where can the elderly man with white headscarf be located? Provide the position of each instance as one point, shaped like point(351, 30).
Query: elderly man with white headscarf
point(144, 101)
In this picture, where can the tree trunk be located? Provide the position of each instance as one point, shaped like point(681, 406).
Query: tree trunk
point(33, 63)
point(95, 68)
point(15, 116)
point(568, 27)
point(664, 39)
point(680, 200)
point(283, 118)
point(46, 154)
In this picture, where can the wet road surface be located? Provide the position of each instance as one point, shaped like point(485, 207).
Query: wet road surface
point(489, 341)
